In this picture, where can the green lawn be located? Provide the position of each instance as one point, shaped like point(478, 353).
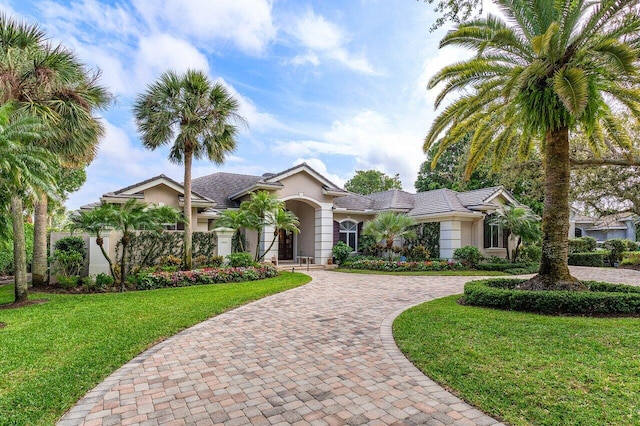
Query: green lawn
point(528, 369)
point(426, 273)
point(52, 354)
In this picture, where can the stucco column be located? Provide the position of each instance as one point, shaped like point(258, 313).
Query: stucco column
point(97, 262)
point(267, 238)
point(450, 238)
point(324, 235)
point(224, 244)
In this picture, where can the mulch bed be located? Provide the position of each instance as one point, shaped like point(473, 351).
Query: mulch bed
point(23, 304)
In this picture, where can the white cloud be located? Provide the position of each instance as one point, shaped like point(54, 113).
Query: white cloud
point(325, 39)
point(248, 23)
point(320, 167)
point(374, 141)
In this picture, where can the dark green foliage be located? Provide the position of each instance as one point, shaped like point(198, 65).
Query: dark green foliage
point(68, 259)
point(630, 258)
point(369, 181)
point(240, 259)
point(68, 282)
point(104, 280)
point(417, 253)
point(616, 247)
point(469, 256)
point(582, 245)
point(601, 299)
point(595, 259)
point(389, 266)
point(428, 236)
point(146, 247)
point(161, 279)
point(531, 253)
point(368, 246)
point(6, 249)
point(508, 266)
point(341, 252)
point(70, 243)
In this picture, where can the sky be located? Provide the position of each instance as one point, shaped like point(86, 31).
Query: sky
point(340, 85)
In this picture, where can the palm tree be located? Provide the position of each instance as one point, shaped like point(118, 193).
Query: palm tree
point(281, 220)
point(50, 83)
point(388, 226)
point(518, 221)
point(126, 218)
point(194, 116)
point(25, 170)
point(260, 210)
point(553, 68)
point(236, 220)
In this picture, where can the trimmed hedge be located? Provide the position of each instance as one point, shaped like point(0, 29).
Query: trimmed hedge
point(385, 265)
point(630, 258)
point(506, 266)
point(587, 259)
point(160, 279)
point(602, 299)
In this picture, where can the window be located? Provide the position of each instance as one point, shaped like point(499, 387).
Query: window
point(578, 233)
point(492, 234)
point(349, 234)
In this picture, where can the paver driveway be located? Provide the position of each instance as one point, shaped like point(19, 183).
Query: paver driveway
point(319, 354)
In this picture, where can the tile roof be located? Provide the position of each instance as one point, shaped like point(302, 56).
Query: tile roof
point(220, 186)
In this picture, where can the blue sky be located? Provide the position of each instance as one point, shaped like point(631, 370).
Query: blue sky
point(340, 85)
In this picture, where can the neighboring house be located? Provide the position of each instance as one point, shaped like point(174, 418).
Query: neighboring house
point(328, 213)
point(619, 225)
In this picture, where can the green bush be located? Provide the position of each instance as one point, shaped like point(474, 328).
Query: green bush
point(469, 256)
point(71, 243)
point(601, 299)
point(104, 280)
point(506, 266)
point(530, 253)
point(341, 252)
point(67, 263)
point(616, 246)
point(417, 253)
point(216, 261)
point(240, 260)
point(582, 245)
point(595, 259)
point(147, 280)
point(398, 266)
point(67, 282)
point(630, 258)
point(632, 245)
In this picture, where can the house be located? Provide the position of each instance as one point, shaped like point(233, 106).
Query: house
point(618, 225)
point(328, 213)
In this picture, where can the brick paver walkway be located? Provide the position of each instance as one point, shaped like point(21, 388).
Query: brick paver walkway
point(321, 354)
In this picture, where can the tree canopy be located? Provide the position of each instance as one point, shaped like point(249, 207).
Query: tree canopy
point(549, 69)
point(369, 181)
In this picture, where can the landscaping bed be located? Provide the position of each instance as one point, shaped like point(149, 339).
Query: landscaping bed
point(524, 368)
point(601, 298)
point(52, 354)
point(402, 266)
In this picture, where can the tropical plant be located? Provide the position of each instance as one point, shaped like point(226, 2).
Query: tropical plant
point(126, 218)
point(263, 210)
point(553, 68)
point(197, 118)
point(236, 220)
point(50, 83)
point(388, 226)
point(517, 221)
point(25, 170)
point(341, 252)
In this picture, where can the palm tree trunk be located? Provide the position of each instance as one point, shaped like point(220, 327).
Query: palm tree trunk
point(257, 256)
point(39, 264)
point(123, 260)
point(100, 243)
point(554, 270)
point(188, 157)
point(19, 251)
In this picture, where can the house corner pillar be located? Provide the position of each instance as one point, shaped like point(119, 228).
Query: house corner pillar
point(324, 234)
point(450, 238)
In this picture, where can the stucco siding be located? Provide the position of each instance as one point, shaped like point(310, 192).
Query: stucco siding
point(303, 183)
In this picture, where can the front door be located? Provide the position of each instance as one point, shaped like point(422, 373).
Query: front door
point(285, 245)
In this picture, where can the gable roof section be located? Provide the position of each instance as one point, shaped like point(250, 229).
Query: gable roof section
point(221, 186)
point(135, 190)
point(326, 183)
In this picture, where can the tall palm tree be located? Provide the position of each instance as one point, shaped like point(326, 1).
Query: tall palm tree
point(552, 68)
point(260, 210)
point(388, 226)
point(52, 84)
point(25, 170)
point(517, 221)
point(281, 220)
point(197, 118)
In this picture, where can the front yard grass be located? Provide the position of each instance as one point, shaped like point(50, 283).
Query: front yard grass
point(426, 273)
point(526, 368)
point(52, 354)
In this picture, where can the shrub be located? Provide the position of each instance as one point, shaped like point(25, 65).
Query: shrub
point(240, 260)
point(148, 280)
point(595, 259)
point(385, 265)
point(341, 252)
point(616, 246)
point(67, 282)
point(216, 261)
point(508, 266)
point(200, 261)
point(630, 258)
point(70, 243)
point(416, 253)
point(169, 260)
point(104, 280)
point(531, 253)
point(469, 256)
point(601, 299)
point(67, 263)
point(582, 245)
